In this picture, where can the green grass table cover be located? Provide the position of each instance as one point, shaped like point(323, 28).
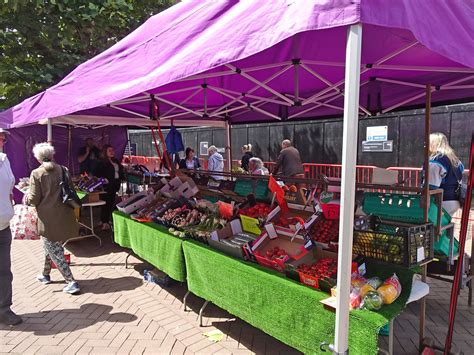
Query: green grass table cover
point(281, 307)
point(152, 243)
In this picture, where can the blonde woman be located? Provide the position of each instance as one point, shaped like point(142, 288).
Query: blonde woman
point(56, 221)
point(445, 171)
point(247, 151)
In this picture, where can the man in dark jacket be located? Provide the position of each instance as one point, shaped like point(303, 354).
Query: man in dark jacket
point(289, 161)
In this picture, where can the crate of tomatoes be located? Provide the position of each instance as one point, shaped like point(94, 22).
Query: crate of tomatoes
point(317, 269)
point(325, 232)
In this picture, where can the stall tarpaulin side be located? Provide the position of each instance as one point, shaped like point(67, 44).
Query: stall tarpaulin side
point(22, 140)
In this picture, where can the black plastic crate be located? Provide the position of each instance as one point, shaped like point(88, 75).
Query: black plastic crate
point(395, 244)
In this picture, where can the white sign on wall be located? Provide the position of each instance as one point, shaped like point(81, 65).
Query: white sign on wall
point(377, 133)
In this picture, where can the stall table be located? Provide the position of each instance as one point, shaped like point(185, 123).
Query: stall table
point(152, 243)
point(282, 307)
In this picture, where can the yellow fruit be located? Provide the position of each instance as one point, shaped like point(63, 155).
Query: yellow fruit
point(364, 289)
point(388, 293)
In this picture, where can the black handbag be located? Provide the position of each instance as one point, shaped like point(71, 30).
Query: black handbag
point(68, 196)
point(461, 190)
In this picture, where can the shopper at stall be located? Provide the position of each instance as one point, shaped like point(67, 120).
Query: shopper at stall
point(289, 161)
point(256, 167)
point(445, 171)
point(7, 181)
point(190, 162)
point(215, 162)
point(88, 156)
point(247, 150)
point(56, 221)
point(109, 168)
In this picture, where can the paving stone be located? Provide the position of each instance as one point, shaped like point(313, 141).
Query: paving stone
point(119, 314)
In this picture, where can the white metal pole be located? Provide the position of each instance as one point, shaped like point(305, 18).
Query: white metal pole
point(49, 133)
point(228, 148)
point(349, 160)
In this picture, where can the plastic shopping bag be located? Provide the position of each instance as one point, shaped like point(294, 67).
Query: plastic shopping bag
point(24, 224)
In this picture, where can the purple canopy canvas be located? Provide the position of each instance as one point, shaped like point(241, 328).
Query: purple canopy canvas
point(253, 61)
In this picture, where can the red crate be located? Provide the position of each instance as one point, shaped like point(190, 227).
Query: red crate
point(309, 280)
point(275, 264)
point(331, 210)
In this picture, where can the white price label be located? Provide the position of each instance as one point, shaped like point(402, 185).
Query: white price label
point(420, 254)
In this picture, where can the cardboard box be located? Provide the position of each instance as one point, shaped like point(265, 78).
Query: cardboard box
point(297, 197)
point(221, 240)
point(136, 202)
point(294, 245)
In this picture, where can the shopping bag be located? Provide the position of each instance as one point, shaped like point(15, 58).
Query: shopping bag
point(24, 224)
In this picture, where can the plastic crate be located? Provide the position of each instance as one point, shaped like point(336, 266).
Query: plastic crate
point(396, 245)
point(399, 207)
point(331, 210)
point(257, 187)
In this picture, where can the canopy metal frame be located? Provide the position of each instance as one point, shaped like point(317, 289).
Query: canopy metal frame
point(237, 103)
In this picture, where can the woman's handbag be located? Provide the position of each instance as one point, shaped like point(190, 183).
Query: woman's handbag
point(69, 196)
point(24, 224)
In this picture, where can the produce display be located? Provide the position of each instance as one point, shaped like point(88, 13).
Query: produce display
point(287, 250)
point(325, 231)
point(372, 294)
point(272, 254)
point(259, 211)
point(90, 183)
point(324, 268)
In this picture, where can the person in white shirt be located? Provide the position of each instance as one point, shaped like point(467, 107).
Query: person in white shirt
point(7, 181)
point(215, 162)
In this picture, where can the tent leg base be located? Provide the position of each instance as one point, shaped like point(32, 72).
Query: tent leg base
point(201, 311)
point(185, 299)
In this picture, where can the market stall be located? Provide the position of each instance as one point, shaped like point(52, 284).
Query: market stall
point(293, 65)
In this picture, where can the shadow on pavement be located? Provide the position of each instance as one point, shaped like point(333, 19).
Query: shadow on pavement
point(66, 320)
point(104, 285)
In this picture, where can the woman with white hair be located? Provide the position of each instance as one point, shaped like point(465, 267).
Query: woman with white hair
point(445, 171)
point(215, 162)
point(256, 167)
point(56, 221)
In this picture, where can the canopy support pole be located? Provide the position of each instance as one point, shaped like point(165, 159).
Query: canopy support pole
point(426, 194)
point(228, 147)
point(49, 133)
point(349, 160)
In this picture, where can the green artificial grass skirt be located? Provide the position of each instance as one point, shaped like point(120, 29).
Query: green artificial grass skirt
point(152, 243)
point(281, 307)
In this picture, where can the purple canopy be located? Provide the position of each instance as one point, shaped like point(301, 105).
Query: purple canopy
point(256, 61)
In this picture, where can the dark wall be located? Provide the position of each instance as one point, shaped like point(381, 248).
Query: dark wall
point(320, 141)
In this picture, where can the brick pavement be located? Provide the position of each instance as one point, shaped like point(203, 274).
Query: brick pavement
point(119, 314)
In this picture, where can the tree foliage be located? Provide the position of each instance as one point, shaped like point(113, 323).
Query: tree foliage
point(42, 41)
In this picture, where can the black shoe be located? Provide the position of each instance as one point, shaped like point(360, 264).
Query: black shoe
point(10, 318)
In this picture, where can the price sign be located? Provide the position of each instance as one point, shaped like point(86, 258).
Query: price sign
point(250, 225)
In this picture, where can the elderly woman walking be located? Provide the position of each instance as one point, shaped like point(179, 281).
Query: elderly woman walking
point(56, 221)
